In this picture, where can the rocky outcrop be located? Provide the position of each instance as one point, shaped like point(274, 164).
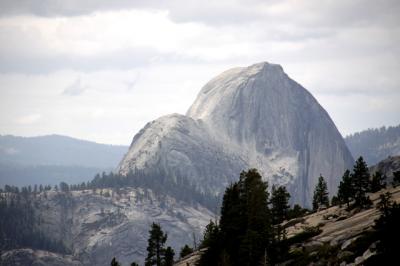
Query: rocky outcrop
point(23, 257)
point(340, 229)
point(97, 225)
point(387, 167)
point(251, 117)
point(191, 259)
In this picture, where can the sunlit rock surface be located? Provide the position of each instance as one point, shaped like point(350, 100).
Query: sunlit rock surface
point(246, 117)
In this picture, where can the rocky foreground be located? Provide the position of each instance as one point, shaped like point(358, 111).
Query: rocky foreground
point(336, 230)
point(340, 228)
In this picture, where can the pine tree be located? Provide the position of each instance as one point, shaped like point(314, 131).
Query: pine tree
point(168, 257)
point(377, 182)
point(296, 211)
point(320, 194)
point(155, 248)
point(396, 178)
point(335, 201)
point(232, 222)
point(245, 231)
point(279, 212)
point(186, 250)
point(279, 204)
point(388, 230)
point(134, 264)
point(254, 202)
point(212, 240)
point(114, 262)
point(346, 191)
point(361, 183)
point(64, 187)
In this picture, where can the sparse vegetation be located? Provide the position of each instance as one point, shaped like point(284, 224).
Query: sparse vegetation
point(252, 226)
point(306, 234)
point(320, 198)
point(186, 250)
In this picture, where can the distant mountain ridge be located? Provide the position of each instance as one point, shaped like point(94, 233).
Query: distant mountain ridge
point(54, 158)
point(375, 144)
point(59, 150)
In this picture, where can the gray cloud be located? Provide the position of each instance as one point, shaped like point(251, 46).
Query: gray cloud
point(21, 62)
point(345, 52)
point(52, 8)
point(75, 89)
point(130, 85)
point(267, 21)
point(310, 13)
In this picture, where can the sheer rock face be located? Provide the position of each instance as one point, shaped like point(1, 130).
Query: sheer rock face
point(246, 117)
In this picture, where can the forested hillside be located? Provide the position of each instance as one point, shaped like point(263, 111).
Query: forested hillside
point(375, 144)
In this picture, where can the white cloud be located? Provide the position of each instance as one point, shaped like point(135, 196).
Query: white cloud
point(28, 119)
point(75, 89)
point(137, 60)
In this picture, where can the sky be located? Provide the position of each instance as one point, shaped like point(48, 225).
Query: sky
point(100, 70)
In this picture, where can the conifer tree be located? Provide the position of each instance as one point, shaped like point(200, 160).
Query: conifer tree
point(210, 234)
point(396, 178)
point(320, 194)
point(279, 204)
point(377, 182)
point(186, 250)
point(168, 257)
point(279, 212)
point(233, 221)
point(244, 235)
point(296, 211)
point(360, 183)
point(155, 248)
point(212, 241)
point(114, 262)
point(345, 190)
point(254, 201)
point(335, 201)
point(388, 230)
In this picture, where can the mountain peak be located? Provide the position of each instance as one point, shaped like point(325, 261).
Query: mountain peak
point(266, 66)
point(238, 86)
point(246, 117)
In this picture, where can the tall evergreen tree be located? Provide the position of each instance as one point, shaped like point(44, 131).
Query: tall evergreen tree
point(168, 257)
point(186, 250)
point(320, 194)
point(279, 204)
point(345, 190)
point(232, 222)
point(155, 248)
point(254, 201)
point(212, 240)
point(245, 224)
point(361, 183)
point(377, 182)
point(279, 212)
point(388, 230)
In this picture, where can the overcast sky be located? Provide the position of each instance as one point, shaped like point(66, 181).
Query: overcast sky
point(100, 69)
